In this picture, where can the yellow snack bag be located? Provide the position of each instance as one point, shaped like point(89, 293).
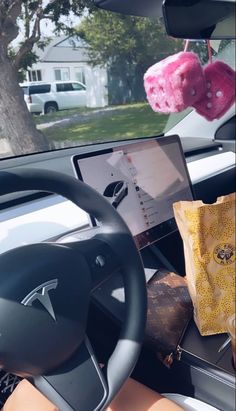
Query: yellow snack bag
point(208, 233)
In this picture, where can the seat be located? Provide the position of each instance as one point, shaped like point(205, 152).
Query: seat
point(190, 404)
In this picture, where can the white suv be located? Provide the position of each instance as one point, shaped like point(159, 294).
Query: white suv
point(50, 97)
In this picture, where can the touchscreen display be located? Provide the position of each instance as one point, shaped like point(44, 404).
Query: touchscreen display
point(142, 181)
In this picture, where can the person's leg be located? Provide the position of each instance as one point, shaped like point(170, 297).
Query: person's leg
point(132, 397)
point(137, 397)
point(27, 398)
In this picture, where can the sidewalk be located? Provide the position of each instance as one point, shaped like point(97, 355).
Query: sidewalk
point(77, 118)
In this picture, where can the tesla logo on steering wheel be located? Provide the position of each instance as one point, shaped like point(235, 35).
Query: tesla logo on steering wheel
point(41, 293)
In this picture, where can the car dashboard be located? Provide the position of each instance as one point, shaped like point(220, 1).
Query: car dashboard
point(211, 167)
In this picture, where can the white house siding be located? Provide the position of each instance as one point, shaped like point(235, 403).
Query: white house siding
point(95, 79)
point(47, 69)
point(96, 82)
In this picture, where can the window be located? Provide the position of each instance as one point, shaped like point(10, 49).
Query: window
point(64, 87)
point(39, 89)
point(35, 75)
point(79, 75)
point(62, 74)
point(114, 69)
point(77, 86)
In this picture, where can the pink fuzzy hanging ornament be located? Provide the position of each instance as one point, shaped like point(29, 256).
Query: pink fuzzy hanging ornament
point(220, 91)
point(175, 83)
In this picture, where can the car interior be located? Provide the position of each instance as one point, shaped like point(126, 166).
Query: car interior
point(83, 230)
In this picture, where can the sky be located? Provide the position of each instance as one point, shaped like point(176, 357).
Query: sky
point(47, 27)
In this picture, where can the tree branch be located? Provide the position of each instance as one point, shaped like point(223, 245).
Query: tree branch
point(8, 18)
point(27, 21)
point(48, 17)
point(27, 46)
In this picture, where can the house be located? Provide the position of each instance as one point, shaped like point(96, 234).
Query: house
point(66, 58)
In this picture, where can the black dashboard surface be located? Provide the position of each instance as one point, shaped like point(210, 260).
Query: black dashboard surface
point(60, 160)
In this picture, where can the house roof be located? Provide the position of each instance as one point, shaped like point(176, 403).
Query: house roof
point(64, 49)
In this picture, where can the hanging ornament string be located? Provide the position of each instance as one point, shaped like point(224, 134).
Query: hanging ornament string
point(209, 51)
point(186, 45)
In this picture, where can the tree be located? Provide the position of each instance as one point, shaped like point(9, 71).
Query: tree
point(16, 124)
point(114, 37)
point(127, 45)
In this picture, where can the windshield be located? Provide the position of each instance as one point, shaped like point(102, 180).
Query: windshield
point(87, 87)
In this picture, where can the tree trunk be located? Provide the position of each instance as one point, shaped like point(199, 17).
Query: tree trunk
point(16, 123)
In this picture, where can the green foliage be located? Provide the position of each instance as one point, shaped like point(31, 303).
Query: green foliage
point(115, 39)
point(127, 46)
point(28, 60)
point(60, 8)
point(26, 17)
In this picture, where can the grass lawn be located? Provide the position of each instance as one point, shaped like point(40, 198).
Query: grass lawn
point(123, 122)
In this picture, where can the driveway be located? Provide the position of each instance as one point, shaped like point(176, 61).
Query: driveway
point(85, 117)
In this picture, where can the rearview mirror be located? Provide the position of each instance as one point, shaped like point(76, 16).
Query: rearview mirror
point(200, 19)
point(144, 8)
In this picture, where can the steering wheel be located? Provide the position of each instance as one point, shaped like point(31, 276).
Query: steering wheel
point(44, 298)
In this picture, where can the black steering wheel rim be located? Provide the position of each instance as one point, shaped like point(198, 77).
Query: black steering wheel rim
point(125, 354)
